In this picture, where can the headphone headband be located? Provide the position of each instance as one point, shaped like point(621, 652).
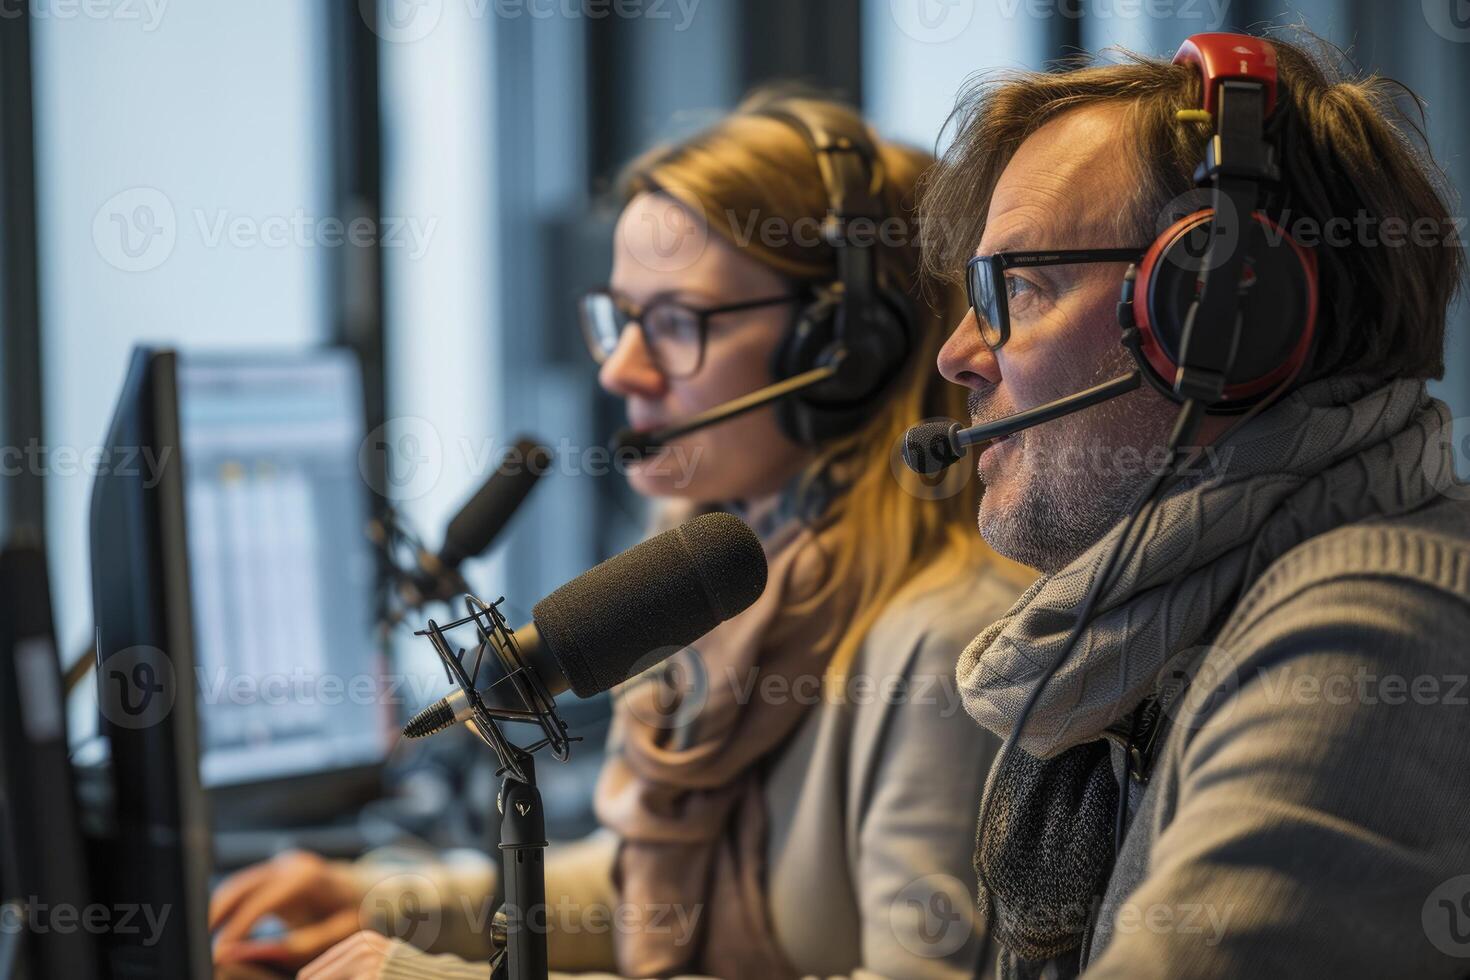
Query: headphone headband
point(836, 150)
point(1223, 308)
point(1230, 57)
point(859, 322)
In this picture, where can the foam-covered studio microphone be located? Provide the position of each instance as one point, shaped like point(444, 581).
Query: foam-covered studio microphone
point(643, 443)
point(648, 602)
point(482, 518)
point(422, 576)
point(934, 446)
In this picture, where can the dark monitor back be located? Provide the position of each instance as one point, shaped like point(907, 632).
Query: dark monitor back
point(160, 859)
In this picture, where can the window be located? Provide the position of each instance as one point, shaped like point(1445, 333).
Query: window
point(184, 198)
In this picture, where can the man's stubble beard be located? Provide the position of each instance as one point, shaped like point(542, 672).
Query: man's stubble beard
point(1070, 497)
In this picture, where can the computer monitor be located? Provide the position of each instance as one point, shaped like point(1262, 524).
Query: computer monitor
point(293, 724)
point(238, 673)
point(159, 854)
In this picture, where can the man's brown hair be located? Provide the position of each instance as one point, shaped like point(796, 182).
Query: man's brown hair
point(1348, 153)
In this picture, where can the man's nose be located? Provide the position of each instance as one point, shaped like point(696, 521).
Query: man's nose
point(630, 368)
point(966, 360)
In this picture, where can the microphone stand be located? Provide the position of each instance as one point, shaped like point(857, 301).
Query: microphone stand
point(413, 575)
point(516, 932)
point(523, 875)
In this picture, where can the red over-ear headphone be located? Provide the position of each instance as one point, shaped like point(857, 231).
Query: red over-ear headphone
point(1214, 312)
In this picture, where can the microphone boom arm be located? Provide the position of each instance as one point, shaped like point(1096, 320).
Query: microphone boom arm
point(964, 438)
point(740, 406)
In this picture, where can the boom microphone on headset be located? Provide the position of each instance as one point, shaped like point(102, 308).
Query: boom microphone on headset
point(641, 444)
point(934, 446)
point(648, 602)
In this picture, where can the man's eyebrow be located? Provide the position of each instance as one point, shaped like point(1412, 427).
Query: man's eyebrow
point(1023, 239)
point(1015, 241)
point(1016, 235)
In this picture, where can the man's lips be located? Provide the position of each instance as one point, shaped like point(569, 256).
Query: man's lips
point(974, 422)
point(992, 445)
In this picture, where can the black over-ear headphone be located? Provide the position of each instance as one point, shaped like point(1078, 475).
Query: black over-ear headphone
point(858, 319)
point(1210, 314)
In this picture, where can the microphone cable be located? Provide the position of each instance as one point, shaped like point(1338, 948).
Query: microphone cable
point(1186, 425)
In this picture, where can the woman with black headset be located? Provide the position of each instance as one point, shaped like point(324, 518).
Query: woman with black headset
point(805, 805)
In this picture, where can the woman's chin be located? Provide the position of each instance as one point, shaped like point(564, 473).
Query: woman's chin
point(646, 481)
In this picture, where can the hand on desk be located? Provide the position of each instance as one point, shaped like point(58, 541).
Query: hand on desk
point(356, 958)
point(318, 901)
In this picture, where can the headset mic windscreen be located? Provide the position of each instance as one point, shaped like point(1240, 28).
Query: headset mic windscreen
point(929, 447)
point(642, 606)
point(634, 444)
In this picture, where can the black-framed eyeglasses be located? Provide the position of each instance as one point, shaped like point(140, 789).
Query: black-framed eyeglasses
point(989, 290)
point(675, 332)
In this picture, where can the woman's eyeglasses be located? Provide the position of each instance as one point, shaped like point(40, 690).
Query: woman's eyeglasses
point(989, 285)
point(675, 333)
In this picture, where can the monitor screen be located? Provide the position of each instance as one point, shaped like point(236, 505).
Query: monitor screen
point(282, 573)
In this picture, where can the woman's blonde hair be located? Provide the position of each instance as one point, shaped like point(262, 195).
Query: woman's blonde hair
point(885, 533)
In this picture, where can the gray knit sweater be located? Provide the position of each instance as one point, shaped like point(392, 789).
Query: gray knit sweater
point(1308, 808)
point(1315, 821)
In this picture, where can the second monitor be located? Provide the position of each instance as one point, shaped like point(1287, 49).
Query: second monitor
point(283, 579)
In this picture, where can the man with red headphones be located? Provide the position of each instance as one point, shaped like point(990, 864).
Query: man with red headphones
point(1238, 740)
